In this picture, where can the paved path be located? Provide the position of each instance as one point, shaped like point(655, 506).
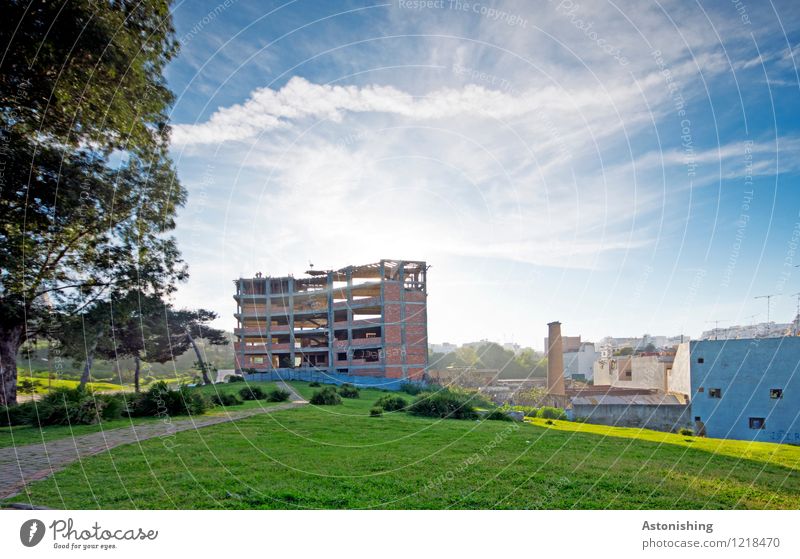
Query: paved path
point(24, 464)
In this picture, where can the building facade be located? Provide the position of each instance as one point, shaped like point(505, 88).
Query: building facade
point(746, 389)
point(364, 324)
point(579, 365)
point(646, 371)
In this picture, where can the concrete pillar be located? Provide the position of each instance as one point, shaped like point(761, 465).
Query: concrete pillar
point(555, 360)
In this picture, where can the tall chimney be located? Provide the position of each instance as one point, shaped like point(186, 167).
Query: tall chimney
point(555, 360)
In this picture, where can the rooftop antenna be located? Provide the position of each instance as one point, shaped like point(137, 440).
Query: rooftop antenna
point(768, 298)
point(716, 325)
point(751, 317)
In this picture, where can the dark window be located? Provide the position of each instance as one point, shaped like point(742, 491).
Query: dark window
point(341, 356)
point(776, 393)
point(757, 423)
point(345, 370)
point(697, 418)
point(701, 360)
point(715, 393)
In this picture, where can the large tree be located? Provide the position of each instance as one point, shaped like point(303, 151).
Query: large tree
point(89, 193)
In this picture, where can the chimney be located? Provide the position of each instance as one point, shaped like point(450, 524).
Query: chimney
point(555, 360)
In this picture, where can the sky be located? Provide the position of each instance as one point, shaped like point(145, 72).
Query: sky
point(622, 167)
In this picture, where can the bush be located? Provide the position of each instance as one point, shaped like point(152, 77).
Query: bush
point(686, 432)
point(314, 384)
point(390, 402)
point(549, 412)
point(159, 400)
point(497, 415)
point(376, 411)
point(347, 390)
point(21, 414)
point(445, 404)
point(224, 399)
point(114, 406)
point(252, 393)
point(235, 378)
point(278, 395)
point(326, 397)
point(527, 411)
point(411, 388)
point(75, 406)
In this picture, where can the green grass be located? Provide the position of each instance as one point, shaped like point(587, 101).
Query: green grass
point(234, 388)
point(24, 435)
point(44, 385)
point(339, 457)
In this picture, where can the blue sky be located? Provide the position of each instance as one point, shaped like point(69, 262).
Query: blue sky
point(623, 168)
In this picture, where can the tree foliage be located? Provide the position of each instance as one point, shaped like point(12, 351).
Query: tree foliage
point(489, 355)
point(89, 193)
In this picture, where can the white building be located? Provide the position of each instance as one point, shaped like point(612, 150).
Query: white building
point(739, 332)
point(578, 365)
point(444, 348)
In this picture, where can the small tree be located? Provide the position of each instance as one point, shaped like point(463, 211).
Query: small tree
point(138, 330)
point(192, 325)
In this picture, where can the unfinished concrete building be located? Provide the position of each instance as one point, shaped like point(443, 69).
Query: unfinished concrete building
point(362, 324)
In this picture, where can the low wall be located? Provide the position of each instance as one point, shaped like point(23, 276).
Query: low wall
point(307, 375)
point(647, 416)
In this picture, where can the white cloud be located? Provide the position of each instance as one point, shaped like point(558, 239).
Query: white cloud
point(299, 99)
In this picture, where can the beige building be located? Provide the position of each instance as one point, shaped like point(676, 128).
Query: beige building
point(646, 371)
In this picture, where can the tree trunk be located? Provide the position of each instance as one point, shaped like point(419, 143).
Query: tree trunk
point(9, 346)
point(200, 361)
point(87, 368)
point(136, 369)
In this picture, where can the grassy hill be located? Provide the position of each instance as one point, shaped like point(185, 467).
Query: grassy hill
point(121, 370)
point(339, 457)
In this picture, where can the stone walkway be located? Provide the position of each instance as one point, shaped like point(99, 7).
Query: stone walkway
point(24, 464)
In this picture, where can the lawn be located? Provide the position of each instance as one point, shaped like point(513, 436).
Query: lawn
point(23, 435)
point(339, 457)
point(43, 385)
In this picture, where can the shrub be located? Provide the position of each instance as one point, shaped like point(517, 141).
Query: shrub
point(549, 412)
point(686, 432)
point(236, 378)
point(75, 406)
point(411, 388)
point(497, 415)
point(326, 397)
point(527, 411)
point(390, 402)
point(314, 384)
point(444, 403)
point(252, 393)
point(114, 406)
point(278, 395)
point(159, 400)
point(20, 414)
point(376, 411)
point(224, 399)
point(347, 390)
